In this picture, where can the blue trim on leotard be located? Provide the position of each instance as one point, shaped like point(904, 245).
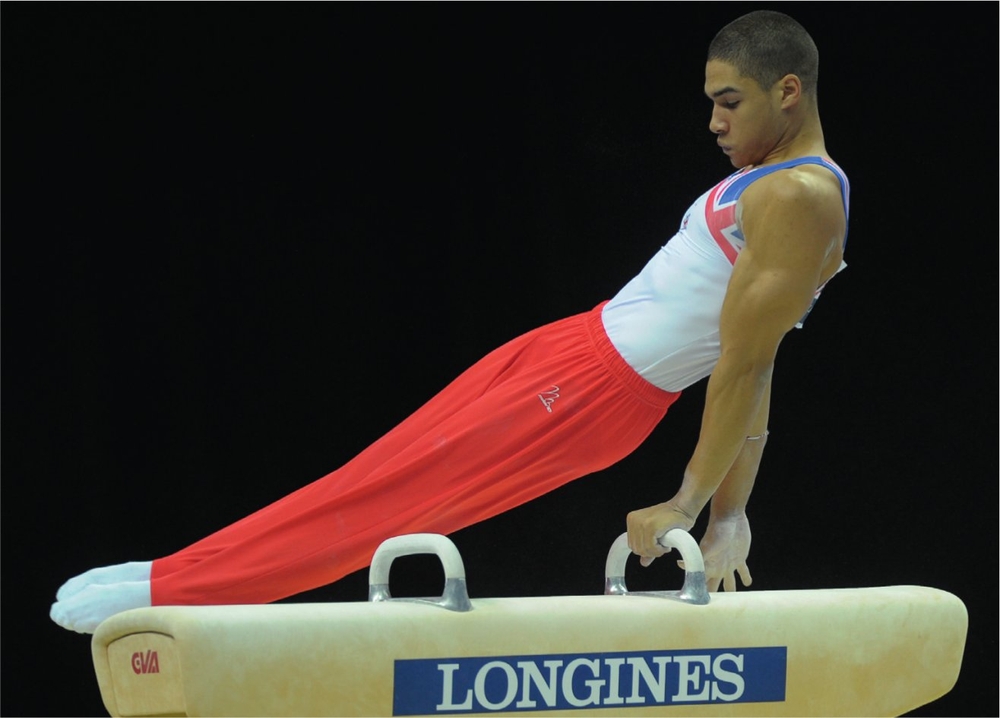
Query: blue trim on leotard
point(734, 190)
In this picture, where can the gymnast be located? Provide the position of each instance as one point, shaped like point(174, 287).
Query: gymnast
point(747, 263)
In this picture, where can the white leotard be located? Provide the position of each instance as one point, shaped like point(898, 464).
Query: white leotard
point(665, 322)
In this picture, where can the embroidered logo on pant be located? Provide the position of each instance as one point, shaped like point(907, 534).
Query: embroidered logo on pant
point(549, 397)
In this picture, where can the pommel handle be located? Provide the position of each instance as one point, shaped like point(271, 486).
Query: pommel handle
point(455, 596)
point(695, 588)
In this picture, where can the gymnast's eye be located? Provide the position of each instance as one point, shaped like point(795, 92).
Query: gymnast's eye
point(731, 105)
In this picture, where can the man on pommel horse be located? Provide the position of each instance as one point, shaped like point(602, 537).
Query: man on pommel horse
point(573, 397)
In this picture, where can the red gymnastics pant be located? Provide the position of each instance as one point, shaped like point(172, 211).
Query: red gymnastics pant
point(548, 407)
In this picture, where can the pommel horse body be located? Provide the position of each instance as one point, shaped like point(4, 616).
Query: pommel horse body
point(865, 651)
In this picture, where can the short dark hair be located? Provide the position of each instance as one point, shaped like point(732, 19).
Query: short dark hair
point(767, 45)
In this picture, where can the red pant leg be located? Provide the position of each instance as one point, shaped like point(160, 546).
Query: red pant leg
point(549, 407)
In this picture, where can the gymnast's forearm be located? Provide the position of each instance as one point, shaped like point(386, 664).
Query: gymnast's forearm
point(731, 498)
point(725, 460)
point(736, 404)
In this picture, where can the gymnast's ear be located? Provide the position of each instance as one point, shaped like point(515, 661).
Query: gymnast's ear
point(789, 90)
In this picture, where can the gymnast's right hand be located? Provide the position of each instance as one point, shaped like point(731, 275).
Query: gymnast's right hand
point(647, 525)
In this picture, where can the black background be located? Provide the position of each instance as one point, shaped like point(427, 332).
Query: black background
point(240, 242)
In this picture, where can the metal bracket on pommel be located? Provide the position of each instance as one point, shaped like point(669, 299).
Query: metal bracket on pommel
point(454, 597)
point(695, 588)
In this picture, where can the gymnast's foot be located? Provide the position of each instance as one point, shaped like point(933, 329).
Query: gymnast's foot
point(120, 573)
point(83, 611)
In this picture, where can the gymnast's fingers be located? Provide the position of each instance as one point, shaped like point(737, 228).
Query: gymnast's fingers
point(745, 574)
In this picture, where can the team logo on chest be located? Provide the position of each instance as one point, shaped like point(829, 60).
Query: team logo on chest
point(720, 215)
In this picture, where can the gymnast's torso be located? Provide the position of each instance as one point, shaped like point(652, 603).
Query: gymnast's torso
point(665, 321)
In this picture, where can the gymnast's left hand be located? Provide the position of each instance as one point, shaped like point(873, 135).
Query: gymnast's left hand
point(725, 547)
point(647, 525)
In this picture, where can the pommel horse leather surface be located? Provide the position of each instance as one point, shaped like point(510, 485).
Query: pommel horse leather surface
point(867, 651)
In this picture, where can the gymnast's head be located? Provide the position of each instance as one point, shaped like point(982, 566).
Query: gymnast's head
point(761, 77)
point(766, 46)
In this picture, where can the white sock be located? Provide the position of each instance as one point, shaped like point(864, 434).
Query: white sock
point(120, 573)
point(86, 609)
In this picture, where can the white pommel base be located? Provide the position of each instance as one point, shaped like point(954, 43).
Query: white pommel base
point(837, 652)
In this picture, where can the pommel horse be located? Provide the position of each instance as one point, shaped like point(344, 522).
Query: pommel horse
point(837, 652)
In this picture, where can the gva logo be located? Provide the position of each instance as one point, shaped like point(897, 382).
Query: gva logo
point(147, 662)
point(573, 681)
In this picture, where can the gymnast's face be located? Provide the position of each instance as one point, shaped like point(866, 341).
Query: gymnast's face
point(746, 118)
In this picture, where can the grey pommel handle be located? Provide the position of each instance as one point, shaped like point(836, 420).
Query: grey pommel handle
point(454, 597)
